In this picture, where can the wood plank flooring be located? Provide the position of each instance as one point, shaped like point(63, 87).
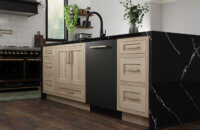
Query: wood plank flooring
point(49, 115)
point(187, 126)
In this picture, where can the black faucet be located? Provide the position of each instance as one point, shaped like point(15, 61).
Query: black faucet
point(101, 20)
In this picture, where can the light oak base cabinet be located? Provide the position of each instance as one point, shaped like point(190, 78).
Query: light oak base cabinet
point(133, 77)
point(64, 71)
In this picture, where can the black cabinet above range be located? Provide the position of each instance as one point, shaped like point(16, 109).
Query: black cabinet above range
point(19, 7)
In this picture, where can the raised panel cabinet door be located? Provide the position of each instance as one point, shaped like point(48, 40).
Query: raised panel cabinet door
point(77, 61)
point(63, 64)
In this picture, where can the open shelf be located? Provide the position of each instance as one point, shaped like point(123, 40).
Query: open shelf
point(85, 15)
point(83, 27)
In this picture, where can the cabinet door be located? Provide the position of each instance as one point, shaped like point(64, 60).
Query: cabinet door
point(48, 66)
point(132, 69)
point(49, 85)
point(77, 61)
point(71, 92)
point(133, 45)
point(132, 98)
point(49, 51)
point(63, 64)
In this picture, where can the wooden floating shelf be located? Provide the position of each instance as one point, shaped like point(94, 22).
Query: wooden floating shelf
point(83, 27)
point(83, 15)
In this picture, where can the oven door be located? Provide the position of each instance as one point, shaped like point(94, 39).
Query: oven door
point(33, 69)
point(11, 69)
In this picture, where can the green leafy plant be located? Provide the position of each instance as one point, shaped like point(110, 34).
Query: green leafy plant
point(88, 8)
point(134, 13)
point(71, 17)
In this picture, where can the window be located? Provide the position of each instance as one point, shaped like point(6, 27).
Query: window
point(55, 28)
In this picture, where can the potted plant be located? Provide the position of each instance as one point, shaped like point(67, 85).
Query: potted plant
point(88, 9)
point(134, 14)
point(71, 17)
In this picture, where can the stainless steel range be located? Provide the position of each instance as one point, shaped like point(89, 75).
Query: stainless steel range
point(20, 68)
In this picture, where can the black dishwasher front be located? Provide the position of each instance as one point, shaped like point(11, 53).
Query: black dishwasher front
point(101, 74)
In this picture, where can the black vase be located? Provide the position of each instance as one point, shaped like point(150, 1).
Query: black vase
point(133, 29)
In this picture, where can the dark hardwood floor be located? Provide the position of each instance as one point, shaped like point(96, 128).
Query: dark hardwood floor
point(49, 115)
point(187, 126)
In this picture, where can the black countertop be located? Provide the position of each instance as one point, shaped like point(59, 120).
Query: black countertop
point(98, 39)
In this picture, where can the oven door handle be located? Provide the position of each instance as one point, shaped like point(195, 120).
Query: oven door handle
point(11, 59)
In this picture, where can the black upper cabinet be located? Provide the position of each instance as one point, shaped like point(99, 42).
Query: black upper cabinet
point(19, 7)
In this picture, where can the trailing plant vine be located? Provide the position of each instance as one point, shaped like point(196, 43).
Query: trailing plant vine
point(134, 13)
point(71, 17)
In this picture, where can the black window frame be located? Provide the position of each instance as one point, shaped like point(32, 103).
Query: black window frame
point(65, 29)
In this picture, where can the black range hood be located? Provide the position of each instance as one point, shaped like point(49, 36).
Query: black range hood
point(19, 7)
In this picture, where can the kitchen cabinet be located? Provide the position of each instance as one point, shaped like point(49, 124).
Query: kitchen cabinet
point(49, 69)
point(49, 66)
point(49, 85)
point(69, 74)
point(63, 64)
point(133, 76)
point(71, 64)
point(77, 62)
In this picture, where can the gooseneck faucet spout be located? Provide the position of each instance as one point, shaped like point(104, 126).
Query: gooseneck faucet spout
point(101, 20)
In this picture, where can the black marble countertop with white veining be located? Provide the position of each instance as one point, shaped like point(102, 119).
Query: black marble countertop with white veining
point(113, 37)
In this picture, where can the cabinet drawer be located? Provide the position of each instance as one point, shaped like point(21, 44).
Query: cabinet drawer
point(48, 51)
point(132, 98)
point(49, 66)
point(49, 84)
point(70, 92)
point(132, 69)
point(132, 45)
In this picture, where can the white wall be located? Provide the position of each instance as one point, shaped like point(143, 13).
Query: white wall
point(112, 12)
point(23, 28)
point(181, 17)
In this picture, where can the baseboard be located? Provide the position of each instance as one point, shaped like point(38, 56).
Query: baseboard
point(107, 112)
point(135, 119)
point(69, 102)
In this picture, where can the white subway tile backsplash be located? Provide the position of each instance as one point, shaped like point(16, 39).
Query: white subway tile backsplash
point(24, 28)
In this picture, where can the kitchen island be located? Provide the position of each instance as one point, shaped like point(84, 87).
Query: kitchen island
point(158, 83)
